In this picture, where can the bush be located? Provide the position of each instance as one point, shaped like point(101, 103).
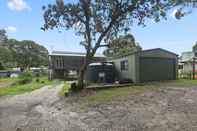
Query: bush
point(37, 80)
point(25, 78)
point(1, 66)
point(74, 88)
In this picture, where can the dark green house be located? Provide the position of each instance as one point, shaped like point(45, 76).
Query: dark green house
point(147, 65)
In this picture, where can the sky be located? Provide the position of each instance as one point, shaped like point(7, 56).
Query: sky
point(23, 19)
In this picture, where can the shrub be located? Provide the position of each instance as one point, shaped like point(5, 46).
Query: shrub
point(37, 74)
point(74, 88)
point(25, 78)
point(1, 66)
point(37, 80)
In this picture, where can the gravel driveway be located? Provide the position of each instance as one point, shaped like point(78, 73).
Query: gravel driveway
point(166, 109)
point(29, 110)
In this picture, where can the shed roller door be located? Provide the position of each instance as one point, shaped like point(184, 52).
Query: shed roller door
point(157, 69)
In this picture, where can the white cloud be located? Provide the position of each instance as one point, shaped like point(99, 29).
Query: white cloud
point(18, 5)
point(11, 29)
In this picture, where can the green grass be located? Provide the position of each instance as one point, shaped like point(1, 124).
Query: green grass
point(109, 94)
point(18, 88)
point(3, 80)
point(185, 82)
point(65, 89)
point(177, 83)
point(124, 92)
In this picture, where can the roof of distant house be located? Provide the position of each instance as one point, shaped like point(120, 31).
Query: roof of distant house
point(67, 53)
point(187, 56)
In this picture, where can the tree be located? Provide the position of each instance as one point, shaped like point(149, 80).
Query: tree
point(99, 21)
point(194, 48)
point(183, 7)
point(1, 66)
point(23, 54)
point(5, 57)
point(122, 45)
point(3, 36)
point(28, 53)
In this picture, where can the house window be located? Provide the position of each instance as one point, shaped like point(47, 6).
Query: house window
point(124, 65)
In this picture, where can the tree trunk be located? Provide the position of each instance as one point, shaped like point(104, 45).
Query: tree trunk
point(80, 84)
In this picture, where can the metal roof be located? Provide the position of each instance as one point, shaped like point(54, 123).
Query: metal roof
point(67, 53)
point(147, 50)
point(142, 51)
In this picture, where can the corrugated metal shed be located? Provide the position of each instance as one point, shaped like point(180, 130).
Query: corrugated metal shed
point(147, 65)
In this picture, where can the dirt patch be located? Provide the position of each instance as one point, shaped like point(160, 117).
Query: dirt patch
point(165, 109)
point(171, 109)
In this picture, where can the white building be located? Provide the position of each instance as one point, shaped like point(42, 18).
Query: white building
point(188, 61)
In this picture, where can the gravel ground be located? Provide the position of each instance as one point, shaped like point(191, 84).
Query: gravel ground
point(166, 109)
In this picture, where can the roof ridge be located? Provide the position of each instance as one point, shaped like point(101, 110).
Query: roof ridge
point(68, 52)
point(73, 53)
point(159, 49)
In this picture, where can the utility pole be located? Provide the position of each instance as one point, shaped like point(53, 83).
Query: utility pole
point(194, 73)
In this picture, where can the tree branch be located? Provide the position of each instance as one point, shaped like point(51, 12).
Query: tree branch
point(113, 21)
point(86, 8)
point(104, 45)
point(97, 45)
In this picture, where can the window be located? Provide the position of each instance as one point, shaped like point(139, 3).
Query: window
point(124, 65)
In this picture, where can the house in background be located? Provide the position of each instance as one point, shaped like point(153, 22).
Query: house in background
point(67, 64)
point(188, 61)
point(147, 65)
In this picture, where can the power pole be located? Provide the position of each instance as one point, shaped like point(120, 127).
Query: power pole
point(193, 63)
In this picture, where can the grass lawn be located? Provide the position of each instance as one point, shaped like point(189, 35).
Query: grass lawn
point(185, 82)
point(122, 92)
point(2, 80)
point(65, 89)
point(6, 82)
point(108, 94)
point(176, 83)
point(18, 88)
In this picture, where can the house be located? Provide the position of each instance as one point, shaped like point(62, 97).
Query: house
point(4, 74)
point(67, 64)
point(11, 73)
point(189, 64)
point(147, 65)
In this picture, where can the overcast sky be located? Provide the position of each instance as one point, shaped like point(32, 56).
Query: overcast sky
point(23, 18)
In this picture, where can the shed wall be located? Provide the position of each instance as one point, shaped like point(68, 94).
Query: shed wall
point(149, 65)
point(126, 74)
point(156, 65)
point(157, 69)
